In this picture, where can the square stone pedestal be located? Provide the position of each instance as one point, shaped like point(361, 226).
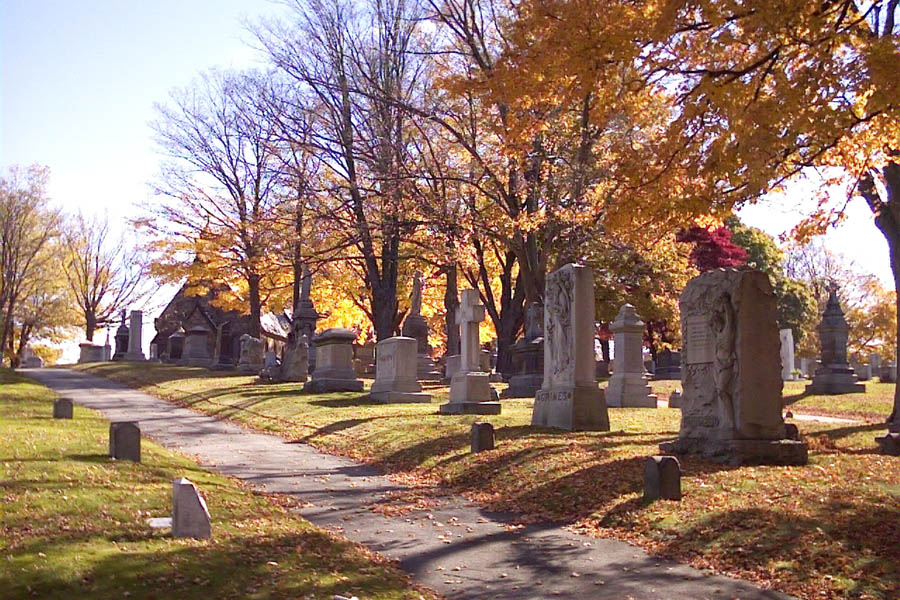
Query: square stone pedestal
point(741, 452)
point(471, 394)
point(630, 390)
point(571, 407)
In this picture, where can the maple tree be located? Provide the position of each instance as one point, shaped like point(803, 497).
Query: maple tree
point(713, 248)
point(220, 181)
point(105, 275)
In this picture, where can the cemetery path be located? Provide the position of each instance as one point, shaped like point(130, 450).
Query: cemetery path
point(454, 547)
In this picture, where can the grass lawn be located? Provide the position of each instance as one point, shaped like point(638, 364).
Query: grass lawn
point(826, 530)
point(873, 407)
point(73, 523)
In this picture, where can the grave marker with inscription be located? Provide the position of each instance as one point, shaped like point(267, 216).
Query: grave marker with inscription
point(569, 397)
point(731, 399)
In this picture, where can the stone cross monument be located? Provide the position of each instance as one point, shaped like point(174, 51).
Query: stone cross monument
point(628, 385)
point(470, 388)
point(569, 397)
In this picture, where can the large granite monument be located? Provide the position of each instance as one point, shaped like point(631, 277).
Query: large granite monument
point(415, 326)
point(395, 372)
point(569, 397)
point(528, 357)
point(833, 374)
point(121, 339)
point(195, 351)
point(334, 368)
point(305, 317)
point(628, 386)
point(731, 403)
point(470, 388)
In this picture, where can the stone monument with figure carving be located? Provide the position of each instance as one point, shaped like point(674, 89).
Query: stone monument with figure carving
point(731, 372)
point(415, 326)
point(569, 397)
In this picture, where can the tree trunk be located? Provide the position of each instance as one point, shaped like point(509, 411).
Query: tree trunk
point(255, 306)
point(451, 303)
point(384, 312)
point(90, 325)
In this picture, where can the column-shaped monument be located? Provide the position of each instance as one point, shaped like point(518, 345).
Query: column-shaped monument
point(787, 354)
point(569, 397)
point(834, 375)
point(628, 385)
point(470, 388)
point(135, 352)
point(731, 405)
point(415, 326)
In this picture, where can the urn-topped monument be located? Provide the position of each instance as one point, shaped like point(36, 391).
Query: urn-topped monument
point(731, 372)
point(834, 375)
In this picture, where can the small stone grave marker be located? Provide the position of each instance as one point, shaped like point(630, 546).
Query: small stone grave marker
point(62, 408)
point(482, 437)
point(190, 517)
point(125, 441)
point(662, 478)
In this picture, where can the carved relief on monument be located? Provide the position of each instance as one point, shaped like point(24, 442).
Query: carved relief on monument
point(558, 323)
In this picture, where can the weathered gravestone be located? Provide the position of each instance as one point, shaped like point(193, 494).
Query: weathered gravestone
point(675, 399)
point(395, 372)
point(90, 352)
point(295, 363)
point(731, 402)
point(252, 356)
point(121, 339)
point(195, 351)
point(528, 357)
point(125, 441)
point(786, 337)
point(135, 350)
point(569, 397)
point(482, 437)
point(451, 366)
point(834, 375)
point(62, 408)
point(888, 372)
point(662, 478)
point(415, 326)
point(334, 363)
point(875, 363)
point(470, 388)
point(628, 386)
point(190, 517)
point(666, 366)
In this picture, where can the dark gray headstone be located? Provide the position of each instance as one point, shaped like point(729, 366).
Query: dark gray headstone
point(791, 432)
point(125, 441)
point(482, 437)
point(62, 408)
point(889, 444)
point(662, 478)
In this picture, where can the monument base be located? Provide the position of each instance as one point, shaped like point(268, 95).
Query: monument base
point(249, 369)
point(629, 391)
point(134, 357)
point(835, 379)
point(196, 362)
point(571, 407)
point(470, 408)
point(324, 384)
point(426, 370)
point(388, 397)
point(523, 386)
point(741, 452)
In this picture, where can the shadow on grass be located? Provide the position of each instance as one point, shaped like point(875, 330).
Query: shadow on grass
point(794, 398)
point(310, 564)
point(811, 548)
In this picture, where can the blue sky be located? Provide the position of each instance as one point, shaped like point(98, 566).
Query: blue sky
point(78, 80)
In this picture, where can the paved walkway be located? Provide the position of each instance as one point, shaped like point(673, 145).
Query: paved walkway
point(455, 548)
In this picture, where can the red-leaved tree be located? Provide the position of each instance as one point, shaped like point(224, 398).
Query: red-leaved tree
point(713, 248)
